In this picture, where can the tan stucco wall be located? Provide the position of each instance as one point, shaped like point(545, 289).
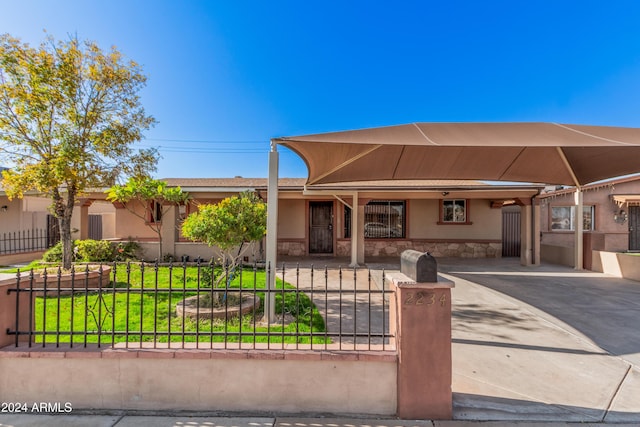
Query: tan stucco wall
point(291, 219)
point(129, 225)
point(155, 382)
point(23, 214)
point(424, 216)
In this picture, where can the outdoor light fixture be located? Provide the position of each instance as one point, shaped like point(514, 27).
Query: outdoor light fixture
point(445, 193)
point(620, 217)
point(4, 208)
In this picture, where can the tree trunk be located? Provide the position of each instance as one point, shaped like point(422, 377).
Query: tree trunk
point(64, 211)
point(67, 241)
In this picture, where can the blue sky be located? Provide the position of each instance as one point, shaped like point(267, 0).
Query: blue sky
point(226, 76)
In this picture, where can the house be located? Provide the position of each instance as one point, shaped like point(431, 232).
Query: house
point(446, 218)
point(611, 216)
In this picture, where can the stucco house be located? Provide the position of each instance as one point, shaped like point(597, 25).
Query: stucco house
point(446, 218)
point(611, 220)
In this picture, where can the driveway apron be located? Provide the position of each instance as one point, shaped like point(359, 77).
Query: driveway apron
point(545, 343)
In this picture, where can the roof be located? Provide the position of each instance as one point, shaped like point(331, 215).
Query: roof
point(239, 183)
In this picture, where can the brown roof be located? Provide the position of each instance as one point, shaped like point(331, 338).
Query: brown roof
point(298, 183)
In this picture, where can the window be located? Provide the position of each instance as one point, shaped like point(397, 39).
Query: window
point(384, 219)
point(156, 212)
point(454, 211)
point(562, 218)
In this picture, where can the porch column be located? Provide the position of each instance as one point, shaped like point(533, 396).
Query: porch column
point(526, 240)
point(577, 226)
point(81, 221)
point(355, 230)
point(360, 219)
point(535, 259)
point(169, 231)
point(272, 233)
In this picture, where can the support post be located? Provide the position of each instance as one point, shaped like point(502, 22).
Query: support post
point(578, 228)
point(272, 233)
point(355, 230)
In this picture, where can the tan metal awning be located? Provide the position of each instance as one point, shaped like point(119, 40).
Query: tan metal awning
point(547, 153)
point(626, 199)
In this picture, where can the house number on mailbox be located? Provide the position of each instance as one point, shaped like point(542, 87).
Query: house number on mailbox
point(424, 298)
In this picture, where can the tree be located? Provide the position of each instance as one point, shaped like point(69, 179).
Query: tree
point(148, 199)
point(69, 117)
point(228, 225)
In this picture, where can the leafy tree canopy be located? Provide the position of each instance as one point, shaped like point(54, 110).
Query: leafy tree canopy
point(229, 223)
point(143, 196)
point(69, 116)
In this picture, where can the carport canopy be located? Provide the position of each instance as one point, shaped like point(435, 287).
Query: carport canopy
point(548, 153)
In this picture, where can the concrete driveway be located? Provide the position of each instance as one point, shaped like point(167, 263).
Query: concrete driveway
point(543, 343)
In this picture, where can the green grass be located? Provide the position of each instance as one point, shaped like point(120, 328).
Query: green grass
point(156, 310)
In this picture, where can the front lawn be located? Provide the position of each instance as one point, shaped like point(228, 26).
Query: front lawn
point(147, 312)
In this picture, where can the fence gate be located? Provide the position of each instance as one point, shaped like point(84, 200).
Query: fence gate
point(634, 228)
point(53, 231)
point(510, 232)
point(95, 227)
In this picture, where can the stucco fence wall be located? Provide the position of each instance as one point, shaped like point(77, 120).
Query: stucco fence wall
point(396, 381)
point(617, 264)
point(554, 254)
point(20, 258)
point(203, 380)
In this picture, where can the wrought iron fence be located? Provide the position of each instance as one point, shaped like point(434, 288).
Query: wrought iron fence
point(24, 241)
point(195, 305)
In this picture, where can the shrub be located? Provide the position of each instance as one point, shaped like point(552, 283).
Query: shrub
point(54, 253)
point(93, 251)
point(126, 251)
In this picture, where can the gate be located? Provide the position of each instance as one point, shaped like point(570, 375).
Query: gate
point(634, 228)
point(53, 231)
point(510, 233)
point(95, 227)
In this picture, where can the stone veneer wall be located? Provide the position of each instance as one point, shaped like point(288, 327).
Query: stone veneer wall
point(437, 249)
point(292, 248)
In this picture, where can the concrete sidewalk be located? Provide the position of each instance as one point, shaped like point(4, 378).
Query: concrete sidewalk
point(186, 421)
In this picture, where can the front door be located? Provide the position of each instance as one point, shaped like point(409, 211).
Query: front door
point(320, 227)
point(634, 228)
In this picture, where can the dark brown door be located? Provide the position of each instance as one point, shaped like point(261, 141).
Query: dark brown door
point(634, 228)
point(320, 227)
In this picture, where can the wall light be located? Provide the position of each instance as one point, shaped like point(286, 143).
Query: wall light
point(4, 208)
point(620, 217)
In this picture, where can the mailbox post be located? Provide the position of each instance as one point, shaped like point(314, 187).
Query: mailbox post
point(423, 319)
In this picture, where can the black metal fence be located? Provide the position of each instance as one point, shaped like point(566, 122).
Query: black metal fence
point(24, 241)
point(194, 305)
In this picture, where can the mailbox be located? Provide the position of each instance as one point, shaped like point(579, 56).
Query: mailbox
point(419, 266)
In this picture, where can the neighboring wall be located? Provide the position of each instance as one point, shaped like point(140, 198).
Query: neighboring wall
point(608, 235)
point(23, 214)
